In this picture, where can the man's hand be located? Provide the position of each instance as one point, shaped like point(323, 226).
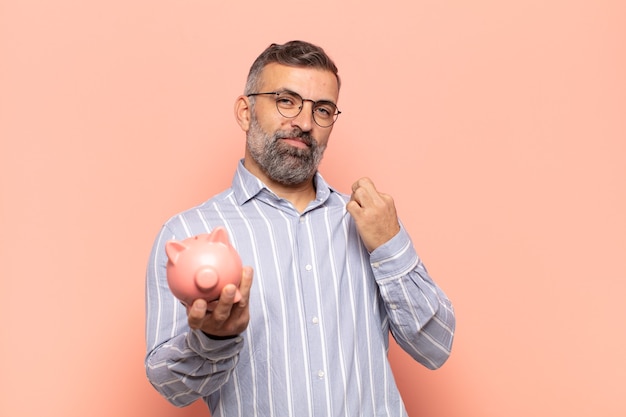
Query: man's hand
point(227, 318)
point(374, 213)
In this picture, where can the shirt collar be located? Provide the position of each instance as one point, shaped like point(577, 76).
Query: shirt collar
point(247, 186)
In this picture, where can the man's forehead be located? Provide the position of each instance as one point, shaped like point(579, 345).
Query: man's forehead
point(302, 80)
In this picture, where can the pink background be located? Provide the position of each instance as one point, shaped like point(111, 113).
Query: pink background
point(499, 128)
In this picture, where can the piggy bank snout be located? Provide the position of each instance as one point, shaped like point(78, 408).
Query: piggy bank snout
point(206, 278)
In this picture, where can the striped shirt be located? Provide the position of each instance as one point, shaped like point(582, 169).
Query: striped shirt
point(321, 310)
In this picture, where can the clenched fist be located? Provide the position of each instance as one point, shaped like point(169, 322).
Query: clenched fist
point(374, 213)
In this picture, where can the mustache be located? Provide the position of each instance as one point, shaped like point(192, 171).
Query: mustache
point(306, 137)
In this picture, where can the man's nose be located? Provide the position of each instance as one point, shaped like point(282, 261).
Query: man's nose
point(304, 120)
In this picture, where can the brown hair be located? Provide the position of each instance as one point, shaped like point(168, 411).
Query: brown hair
point(293, 54)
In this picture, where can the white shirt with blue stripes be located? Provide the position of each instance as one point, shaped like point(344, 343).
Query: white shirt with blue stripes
point(321, 310)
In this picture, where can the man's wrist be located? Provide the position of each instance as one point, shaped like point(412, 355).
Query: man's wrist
point(213, 337)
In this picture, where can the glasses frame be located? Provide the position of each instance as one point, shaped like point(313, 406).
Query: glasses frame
point(278, 93)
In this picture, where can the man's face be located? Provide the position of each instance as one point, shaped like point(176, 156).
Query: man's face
point(289, 150)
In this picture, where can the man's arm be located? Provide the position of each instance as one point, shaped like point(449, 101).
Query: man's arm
point(421, 317)
point(183, 363)
point(191, 365)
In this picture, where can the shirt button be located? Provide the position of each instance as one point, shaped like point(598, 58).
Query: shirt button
point(376, 264)
point(315, 320)
point(308, 267)
point(320, 374)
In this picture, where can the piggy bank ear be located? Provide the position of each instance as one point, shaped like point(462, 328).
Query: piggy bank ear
point(173, 248)
point(219, 235)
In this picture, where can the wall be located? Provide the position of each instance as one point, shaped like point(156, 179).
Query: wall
point(498, 127)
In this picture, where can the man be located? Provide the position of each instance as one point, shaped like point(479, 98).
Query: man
point(333, 274)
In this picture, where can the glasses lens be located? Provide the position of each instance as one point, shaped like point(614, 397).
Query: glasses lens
point(325, 113)
point(289, 104)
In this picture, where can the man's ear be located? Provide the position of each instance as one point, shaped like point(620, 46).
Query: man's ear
point(243, 112)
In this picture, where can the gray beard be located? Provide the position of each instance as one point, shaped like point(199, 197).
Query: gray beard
point(284, 163)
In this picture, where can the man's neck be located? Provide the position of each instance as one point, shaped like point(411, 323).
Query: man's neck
point(299, 195)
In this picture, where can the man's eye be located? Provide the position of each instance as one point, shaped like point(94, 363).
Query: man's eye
point(286, 101)
point(324, 111)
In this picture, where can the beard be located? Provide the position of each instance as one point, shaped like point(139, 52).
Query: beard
point(281, 162)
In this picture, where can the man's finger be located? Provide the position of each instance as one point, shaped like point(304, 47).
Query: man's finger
point(245, 285)
point(362, 182)
point(222, 310)
point(364, 192)
point(196, 313)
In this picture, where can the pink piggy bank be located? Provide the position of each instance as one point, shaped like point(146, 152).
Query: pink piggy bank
point(200, 266)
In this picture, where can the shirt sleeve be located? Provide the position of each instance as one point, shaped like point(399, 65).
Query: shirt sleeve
point(182, 364)
point(421, 316)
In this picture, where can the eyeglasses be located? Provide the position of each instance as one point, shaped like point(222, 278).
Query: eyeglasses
point(290, 105)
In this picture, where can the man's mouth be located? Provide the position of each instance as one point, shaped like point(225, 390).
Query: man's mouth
point(298, 142)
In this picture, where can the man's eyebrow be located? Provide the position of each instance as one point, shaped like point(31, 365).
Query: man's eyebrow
point(288, 91)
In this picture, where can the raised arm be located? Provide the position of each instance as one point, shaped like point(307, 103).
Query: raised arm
point(421, 316)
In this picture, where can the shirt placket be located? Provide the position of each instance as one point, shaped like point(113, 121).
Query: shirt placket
point(311, 296)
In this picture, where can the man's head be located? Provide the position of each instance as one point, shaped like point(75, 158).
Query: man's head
point(287, 112)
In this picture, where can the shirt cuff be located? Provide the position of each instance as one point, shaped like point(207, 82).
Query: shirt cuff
point(395, 258)
point(212, 349)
